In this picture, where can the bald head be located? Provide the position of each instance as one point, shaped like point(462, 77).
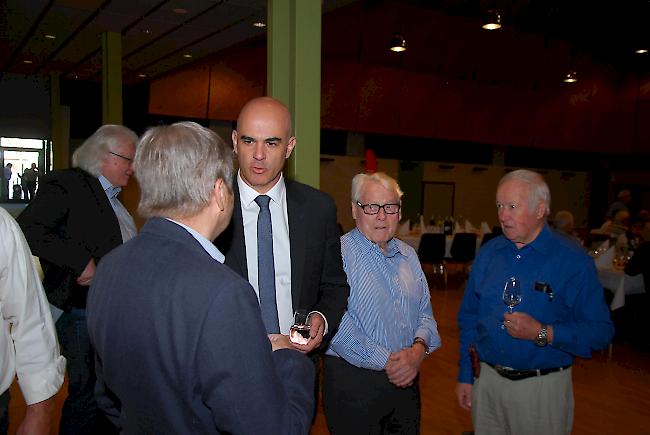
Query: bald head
point(262, 142)
point(267, 108)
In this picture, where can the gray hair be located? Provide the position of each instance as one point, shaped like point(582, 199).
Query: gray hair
point(538, 191)
point(93, 151)
point(564, 220)
point(177, 166)
point(386, 181)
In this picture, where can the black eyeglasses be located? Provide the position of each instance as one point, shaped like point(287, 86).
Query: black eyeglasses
point(121, 156)
point(374, 208)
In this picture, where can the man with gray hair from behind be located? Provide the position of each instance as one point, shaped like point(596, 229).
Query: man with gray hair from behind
point(72, 222)
point(179, 338)
point(515, 367)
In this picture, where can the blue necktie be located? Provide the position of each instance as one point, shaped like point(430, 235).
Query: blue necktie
point(266, 267)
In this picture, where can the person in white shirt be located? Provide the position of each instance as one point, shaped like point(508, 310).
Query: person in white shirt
point(28, 345)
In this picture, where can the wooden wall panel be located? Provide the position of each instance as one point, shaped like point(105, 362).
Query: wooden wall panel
point(379, 91)
point(416, 102)
point(450, 110)
point(340, 95)
point(456, 82)
point(183, 93)
point(234, 80)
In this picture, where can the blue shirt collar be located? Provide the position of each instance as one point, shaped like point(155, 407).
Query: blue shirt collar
point(540, 244)
point(209, 247)
point(392, 247)
point(111, 191)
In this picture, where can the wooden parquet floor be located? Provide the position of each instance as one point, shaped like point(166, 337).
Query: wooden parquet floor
point(612, 393)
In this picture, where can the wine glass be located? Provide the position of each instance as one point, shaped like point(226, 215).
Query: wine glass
point(299, 332)
point(512, 293)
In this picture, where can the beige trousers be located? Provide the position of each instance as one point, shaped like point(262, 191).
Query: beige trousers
point(541, 405)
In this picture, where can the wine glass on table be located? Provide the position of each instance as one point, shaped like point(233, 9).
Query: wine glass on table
point(511, 294)
point(299, 332)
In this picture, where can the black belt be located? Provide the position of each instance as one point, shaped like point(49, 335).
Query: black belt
point(516, 375)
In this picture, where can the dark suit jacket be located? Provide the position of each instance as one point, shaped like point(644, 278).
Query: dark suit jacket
point(318, 281)
point(69, 222)
point(181, 347)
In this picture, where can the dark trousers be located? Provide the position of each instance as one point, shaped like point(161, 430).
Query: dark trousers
point(4, 412)
point(31, 189)
point(359, 401)
point(80, 414)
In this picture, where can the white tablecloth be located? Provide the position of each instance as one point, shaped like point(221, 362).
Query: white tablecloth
point(620, 284)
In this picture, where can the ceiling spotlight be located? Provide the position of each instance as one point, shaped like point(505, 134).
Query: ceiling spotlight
point(146, 31)
point(259, 24)
point(397, 43)
point(491, 20)
point(142, 75)
point(49, 36)
point(571, 77)
point(641, 51)
point(27, 61)
point(187, 56)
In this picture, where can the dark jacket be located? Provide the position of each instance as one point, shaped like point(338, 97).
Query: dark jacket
point(181, 347)
point(69, 222)
point(318, 281)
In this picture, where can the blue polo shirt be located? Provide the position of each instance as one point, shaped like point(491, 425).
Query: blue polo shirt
point(577, 311)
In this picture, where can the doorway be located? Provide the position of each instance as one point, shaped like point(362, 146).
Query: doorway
point(16, 156)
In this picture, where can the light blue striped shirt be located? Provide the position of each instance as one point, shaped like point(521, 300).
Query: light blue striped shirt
point(389, 303)
point(124, 218)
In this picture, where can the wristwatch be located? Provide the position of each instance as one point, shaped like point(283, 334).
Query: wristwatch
point(423, 343)
point(542, 337)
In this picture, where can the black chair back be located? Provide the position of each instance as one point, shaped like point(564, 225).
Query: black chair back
point(463, 247)
point(432, 248)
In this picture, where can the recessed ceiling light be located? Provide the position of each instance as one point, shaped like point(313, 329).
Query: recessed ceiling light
point(27, 61)
point(179, 11)
point(259, 24)
point(142, 75)
point(187, 55)
point(146, 31)
point(641, 51)
point(48, 36)
point(571, 77)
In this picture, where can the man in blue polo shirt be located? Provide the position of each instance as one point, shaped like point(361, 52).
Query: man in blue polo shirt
point(520, 381)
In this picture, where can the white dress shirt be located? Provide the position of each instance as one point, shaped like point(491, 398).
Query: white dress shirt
point(28, 345)
point(281, 246)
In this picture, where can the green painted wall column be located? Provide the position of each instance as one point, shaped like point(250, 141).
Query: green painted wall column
point(293, 77)
point(111, 78)
point(60, 147)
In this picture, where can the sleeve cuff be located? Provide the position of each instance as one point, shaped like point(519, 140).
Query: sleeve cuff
point(44, 384)
point(324, 318)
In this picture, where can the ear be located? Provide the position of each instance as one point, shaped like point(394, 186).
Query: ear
point(354, 210)
point(541, 210)
point(234, 140)
point(290, 146)
point(219, 194)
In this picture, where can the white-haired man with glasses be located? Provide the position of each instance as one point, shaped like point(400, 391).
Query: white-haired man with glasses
point(371, 366)
point(72, 222)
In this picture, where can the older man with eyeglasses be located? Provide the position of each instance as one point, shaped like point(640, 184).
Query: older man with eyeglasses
point(74, 220)
point(371, 367)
